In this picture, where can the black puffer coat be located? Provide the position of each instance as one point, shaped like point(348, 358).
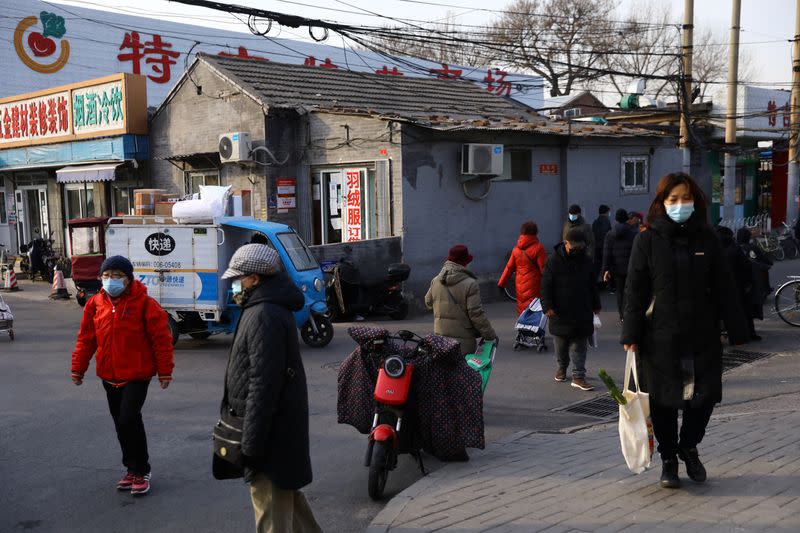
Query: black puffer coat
point(617, 248)
point(679, 287)
point(568, 288)
point(267, 385)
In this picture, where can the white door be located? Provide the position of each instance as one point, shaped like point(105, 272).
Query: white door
point(32, 213)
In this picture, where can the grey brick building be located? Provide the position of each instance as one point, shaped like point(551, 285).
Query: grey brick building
point(398, 141)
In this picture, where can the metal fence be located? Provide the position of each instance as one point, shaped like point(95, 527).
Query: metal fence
point(758, 224)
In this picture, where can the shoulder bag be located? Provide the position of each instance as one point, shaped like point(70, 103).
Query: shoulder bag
point(228, 460)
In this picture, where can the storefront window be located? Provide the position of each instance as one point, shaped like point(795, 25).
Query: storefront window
point(122, 201)
point(351, 204)
point(195, 179)
point(80, 201)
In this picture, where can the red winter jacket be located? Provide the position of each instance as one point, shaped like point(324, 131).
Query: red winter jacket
point(132, 338)
point(528, 268)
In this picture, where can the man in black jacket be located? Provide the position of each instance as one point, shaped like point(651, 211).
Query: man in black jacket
point(617, 253)
point(266, 385)
point(600, 228)
point(570, 300)
point(575, 220)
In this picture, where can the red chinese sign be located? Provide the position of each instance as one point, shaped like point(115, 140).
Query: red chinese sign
point(548, 168)
point(497, 85)
point(386, 72)
point(311, 61)
point(446, 73)
point(353, 206)
point(157, 54)
point(242, 54)
point(287, 193)
point(35, 118)
point(772, 114)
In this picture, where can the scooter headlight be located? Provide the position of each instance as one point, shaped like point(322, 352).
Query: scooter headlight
point(394, 366)
point(318, 284)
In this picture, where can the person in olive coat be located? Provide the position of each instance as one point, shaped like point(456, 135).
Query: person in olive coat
point(679, 287)
point(266, 385)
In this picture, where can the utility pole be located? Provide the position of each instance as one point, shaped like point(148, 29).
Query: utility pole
point(688, 43)
point(794, 125)
point(730, 121)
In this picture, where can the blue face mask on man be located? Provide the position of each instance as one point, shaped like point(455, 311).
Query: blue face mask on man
point(572, 217)
point(114, 287)
point(680, 212)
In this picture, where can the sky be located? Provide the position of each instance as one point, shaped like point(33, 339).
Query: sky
point(767, 25)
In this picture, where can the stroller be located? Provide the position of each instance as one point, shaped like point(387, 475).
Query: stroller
point(530, 328)
point(6, 319)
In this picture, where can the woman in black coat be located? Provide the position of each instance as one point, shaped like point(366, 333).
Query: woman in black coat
point(679, 287)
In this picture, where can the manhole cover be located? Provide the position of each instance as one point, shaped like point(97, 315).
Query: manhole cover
point(599, 407)
point(733, 358)
point(334, 365)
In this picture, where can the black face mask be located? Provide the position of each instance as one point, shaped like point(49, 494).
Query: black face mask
point(577, 250)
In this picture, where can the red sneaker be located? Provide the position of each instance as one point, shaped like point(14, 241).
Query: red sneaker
point(125, 481)
point(141, 485)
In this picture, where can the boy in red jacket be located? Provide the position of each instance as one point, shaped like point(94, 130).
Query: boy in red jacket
point(129, 332)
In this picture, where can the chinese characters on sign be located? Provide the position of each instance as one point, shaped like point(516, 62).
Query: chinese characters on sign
point(157, 55)
point(97, 108)
point(287, 198)
point(242, 54)
point(772, 114)
point(446, 73)
point(36, 118)
point(353, 206)
point(548, 168)
point(159, 244)
point(497, 85)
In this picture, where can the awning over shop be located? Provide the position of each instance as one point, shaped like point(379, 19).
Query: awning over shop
point(81, 173)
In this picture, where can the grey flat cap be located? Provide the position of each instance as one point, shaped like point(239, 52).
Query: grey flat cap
point(253, 259)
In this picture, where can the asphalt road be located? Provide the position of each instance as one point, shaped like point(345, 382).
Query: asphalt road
point(59, 459)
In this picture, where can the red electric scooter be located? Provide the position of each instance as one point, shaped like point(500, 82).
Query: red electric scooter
point(393, 424)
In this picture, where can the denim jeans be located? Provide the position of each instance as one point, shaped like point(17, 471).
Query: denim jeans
point(572, 348)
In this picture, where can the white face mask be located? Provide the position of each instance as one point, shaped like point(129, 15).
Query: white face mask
point(236, 286)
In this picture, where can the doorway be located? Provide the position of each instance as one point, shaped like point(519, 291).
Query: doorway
point(32, 213)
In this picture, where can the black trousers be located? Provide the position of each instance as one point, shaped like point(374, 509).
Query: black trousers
point(125, 404)
point(619, 284)
point(665, 427)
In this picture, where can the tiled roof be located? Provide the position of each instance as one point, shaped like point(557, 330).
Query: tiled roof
point(315, 88)
point(541, 126)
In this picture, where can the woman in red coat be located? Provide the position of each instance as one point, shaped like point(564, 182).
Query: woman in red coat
point(127, 332)
point(527, 260)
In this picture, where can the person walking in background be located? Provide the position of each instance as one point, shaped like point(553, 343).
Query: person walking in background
point(570, 300)
point(455, 298)
point(600, 228)
point(679, 287)
point(128, 331)
point(617, 253)
point(265, 384)
point(759, 263)
point(742, 274)
point(576, 220)
point(637, 221)
point(527, 259)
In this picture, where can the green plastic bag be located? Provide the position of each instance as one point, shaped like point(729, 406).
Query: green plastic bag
point(481, 361)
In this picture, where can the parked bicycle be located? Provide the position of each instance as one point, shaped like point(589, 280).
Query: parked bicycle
point(771, 245)
point(787, 301)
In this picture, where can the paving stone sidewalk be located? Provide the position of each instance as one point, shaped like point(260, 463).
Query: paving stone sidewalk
point(578, 482)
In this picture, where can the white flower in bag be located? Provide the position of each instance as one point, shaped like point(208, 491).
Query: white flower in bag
point(635, 427)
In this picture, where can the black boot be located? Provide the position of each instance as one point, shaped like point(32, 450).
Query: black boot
point(669, 474)
point(694, 468)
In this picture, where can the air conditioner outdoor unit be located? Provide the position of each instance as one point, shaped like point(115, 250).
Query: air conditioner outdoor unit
point(235, 147)
point(554, 117)
point(482, 159)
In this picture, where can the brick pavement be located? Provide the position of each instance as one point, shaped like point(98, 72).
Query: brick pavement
point(554, 483)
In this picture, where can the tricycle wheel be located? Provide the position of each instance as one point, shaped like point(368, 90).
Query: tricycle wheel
point(322, 337)
point(378, 470)
point(401, 313)
point(173, 328)
point(200, 335)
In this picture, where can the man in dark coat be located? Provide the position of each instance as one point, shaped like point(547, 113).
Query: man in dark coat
point(600, 228)
point(266, 385)
point(742, 275)
point(679, 288)
point(576, 220)
point(617, 253)
point(570, 300)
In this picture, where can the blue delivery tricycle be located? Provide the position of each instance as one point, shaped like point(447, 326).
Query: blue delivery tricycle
point(181, 265)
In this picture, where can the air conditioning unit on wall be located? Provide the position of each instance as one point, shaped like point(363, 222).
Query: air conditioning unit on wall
point(482, 159)
point(235, 147)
